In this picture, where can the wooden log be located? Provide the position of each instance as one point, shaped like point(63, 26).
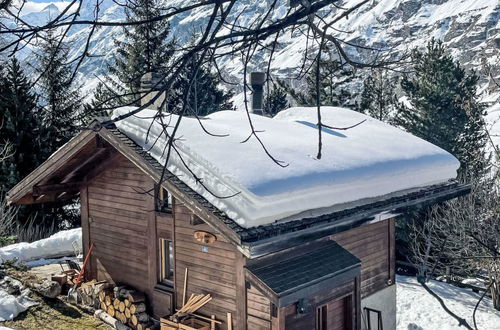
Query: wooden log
point(144, 326)
point(127, 312)
point(229, 321)
point(135, 296)
point(114, 323)
point(111, 310)
point(101, 296)
point(137, 308)
point(121, 306)
point(185, 287)
point(127, 303)
point(116, 303)
point(109, 299)
point(117, 291)
point(103, 306)
point(139, 318)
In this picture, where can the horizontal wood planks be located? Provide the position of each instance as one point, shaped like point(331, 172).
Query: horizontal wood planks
point(211, 271)
point(118, 211)
point(371, 244)
point(258, 310)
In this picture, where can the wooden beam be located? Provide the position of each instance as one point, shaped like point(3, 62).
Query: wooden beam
point(55, 162)
point(100, 152)
point(241, 293)
point(56, 189)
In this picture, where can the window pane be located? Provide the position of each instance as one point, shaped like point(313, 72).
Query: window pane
point(166, 260)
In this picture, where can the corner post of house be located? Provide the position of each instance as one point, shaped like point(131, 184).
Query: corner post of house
point(152, 241)
point(241, 292)
point(392, 250)
point(85, 220)
point(358, 314)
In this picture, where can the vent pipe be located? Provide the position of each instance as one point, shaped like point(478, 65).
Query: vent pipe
point(257, 80)
point(150, 88)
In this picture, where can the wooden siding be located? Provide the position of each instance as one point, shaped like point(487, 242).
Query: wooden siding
point(289, 319)
point(374, 246)
point(258, 310)
point(118, 224)
point(213, 272)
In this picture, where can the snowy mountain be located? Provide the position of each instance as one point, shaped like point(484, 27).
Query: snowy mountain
point(469, 27)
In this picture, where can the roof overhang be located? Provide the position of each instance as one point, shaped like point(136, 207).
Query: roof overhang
point(61, 176)
point(290, 276)
point(267, 239)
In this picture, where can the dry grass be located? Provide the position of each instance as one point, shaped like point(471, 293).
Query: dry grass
point(53, 314)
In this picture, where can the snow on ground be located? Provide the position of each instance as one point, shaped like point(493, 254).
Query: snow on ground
point(368, 161)
point(10, 305)
point(57, 245)
point(418, 310)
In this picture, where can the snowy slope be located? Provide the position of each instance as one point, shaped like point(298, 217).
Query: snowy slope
point(370, 160)
point(493, 123)
point(467, 26)
point(418, 310)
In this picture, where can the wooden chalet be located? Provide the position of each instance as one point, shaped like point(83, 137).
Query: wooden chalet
point(334, 271)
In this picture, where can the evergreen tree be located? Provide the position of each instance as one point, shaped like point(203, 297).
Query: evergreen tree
point(378, 98)
point(444, 109)
point(275, 101)
point(60, 101)
point(61, 106)
point(144, 48)
point(19, 124)
point(205, 95)
point(334, 90)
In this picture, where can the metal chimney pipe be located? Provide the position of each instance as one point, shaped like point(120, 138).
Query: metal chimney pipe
point(257, 80)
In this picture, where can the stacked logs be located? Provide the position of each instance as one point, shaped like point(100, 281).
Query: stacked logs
point(126, 305)
point(90, 292)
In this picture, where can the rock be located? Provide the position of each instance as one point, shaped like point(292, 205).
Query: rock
point(48, 289)
point(12, 286)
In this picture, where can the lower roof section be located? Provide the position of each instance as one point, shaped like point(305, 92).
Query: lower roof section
point(289, 276)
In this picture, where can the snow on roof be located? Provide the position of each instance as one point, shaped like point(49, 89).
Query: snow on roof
point(367, 161)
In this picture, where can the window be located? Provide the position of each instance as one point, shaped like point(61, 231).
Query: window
point(166, 261)
point(164, 200)
point(321, 318)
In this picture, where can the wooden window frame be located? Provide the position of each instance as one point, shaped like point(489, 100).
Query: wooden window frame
point(164, 261)
point(322, 317)
point(160, 200)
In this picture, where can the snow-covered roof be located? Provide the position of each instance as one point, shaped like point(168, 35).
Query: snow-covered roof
point(368, 161)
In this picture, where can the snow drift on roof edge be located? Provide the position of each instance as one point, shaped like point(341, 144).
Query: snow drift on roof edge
point(370, 160)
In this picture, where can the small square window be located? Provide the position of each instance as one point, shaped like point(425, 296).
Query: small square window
point(166, 261)
point(163, 200)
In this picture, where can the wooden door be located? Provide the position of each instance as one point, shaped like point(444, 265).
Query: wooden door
point(335, 315)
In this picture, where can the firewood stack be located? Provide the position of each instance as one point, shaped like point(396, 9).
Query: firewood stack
point(126, 305)
point(90, 292)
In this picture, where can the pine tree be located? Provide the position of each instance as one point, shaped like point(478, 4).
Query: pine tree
point(19, 124)
point(444, 109)
point(205, 95)
point(144, 48)
point(60, 101)
point(378, 98)
point(334, 90)
point(61, 106)
point(275, 101)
